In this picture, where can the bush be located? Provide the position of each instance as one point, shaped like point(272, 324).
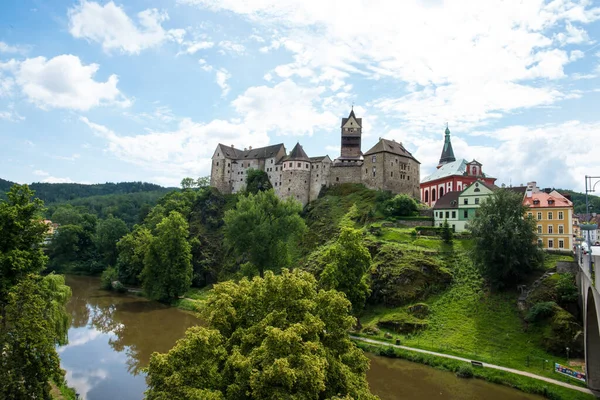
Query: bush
point(108, 277)
point(387, 352)
point(429, 230)
point(465, 371)
point(401, 205)
point(540, 311)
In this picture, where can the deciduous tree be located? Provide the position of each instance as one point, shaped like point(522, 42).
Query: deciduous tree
point(347, 262)
point(108, 233)
point(505, 239)
point(276, 337)
point(260, 227)
point(167, 272)
point(257, 181)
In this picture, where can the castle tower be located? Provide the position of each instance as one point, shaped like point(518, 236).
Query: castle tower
point(296, 174)
point(447, 152)
point(351, 137)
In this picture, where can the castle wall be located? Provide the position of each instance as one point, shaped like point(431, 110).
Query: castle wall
point(295, 184)
point(320, 172)
point(387, 171)
point(345, 173)
point(220, 172)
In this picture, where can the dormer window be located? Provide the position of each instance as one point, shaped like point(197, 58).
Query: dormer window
point(536, 202)
point(550, 202)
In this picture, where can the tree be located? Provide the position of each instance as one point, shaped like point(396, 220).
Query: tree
point(276, 337)
point(108, 233)
point(505, 239)
point(132, 250)
point(347, 262)
point(167, 272)
point(188, 183)
point(33, 318)
point(203, 182)
point(401, 205)
point(257, 181)
point(259, 229)
point(447, 233)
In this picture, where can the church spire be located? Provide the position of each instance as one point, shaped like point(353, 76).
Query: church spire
point(447, 152)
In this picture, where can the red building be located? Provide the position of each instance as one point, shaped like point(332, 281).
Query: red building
point(451, 175)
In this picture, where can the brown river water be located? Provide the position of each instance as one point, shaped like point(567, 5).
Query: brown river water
point(112, 337)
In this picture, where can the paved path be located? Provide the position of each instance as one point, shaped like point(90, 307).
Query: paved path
point(514, 371)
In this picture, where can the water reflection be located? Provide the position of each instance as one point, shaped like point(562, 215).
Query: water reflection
point(112, 337)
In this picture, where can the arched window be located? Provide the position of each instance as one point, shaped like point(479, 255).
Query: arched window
point(441, 191)
point(427, 196)
point(432, 194)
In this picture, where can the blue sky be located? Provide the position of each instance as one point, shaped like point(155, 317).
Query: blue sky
point(144, 90)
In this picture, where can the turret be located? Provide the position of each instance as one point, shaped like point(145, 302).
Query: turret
point(447, 152)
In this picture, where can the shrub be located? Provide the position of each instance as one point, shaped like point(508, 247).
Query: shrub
point(401, 205)
point(465, 371)
point(387, 352)
point(540, 311)
point(108, 277)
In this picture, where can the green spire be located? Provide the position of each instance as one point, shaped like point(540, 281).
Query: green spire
point(447, 152)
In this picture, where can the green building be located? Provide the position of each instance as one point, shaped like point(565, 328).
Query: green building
point(458, 208)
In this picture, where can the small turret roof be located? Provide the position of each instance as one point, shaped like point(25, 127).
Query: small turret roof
point(298, 153)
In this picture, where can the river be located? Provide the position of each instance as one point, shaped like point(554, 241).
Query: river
point(112, 337)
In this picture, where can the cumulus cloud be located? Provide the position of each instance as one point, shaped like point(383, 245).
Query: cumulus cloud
point(222, 77)
point(440, 51)
point(115, 30)
point(64, 82)
point(53, 179)
point(186, 151)
point(286, 109)
point(5, 48)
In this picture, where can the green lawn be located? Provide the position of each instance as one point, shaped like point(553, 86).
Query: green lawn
point(468, 320)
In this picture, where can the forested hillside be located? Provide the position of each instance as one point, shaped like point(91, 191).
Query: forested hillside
point(578, 200)
point(61, 192)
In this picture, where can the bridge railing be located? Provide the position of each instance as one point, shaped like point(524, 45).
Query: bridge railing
point(591, 270)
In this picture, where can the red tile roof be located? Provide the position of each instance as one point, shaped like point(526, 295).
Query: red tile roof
point(546, 200)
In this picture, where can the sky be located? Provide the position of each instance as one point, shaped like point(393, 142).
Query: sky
point(141, 90)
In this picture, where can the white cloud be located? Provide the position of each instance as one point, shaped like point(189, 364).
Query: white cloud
point(204, 65)
point(64, 82)
point(67, 158)
point(111, 26)
point(222, 78)
point(194, 47)
point(441, 51)
point(227, 46)
point(286, 109)
point(186, 151)
point(5, 48)
point(53, 179)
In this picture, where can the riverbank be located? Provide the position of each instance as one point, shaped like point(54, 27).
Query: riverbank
point(62, 392)
point(463, 367)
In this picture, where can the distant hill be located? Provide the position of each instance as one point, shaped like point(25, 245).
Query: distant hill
point(62, 192)
point(578, 200)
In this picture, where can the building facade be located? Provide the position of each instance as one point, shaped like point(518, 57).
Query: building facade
point(553, 214)
point(386, 166)
point(451, 175)
point(458, 208)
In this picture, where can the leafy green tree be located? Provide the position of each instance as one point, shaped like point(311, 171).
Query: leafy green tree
point(33, 318)
point(260, 227)
point(401, 205)
point(505, 239)
point(66, 214)
point(347, 262)
point(132, 250)
point(167, 272)
point(203, 182)
point(108, 233)
point(447, 233)
point(188, 183)
point(257, 181)
point(276, 337)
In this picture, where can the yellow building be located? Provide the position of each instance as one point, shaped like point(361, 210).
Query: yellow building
point(553, 213)
point(576, 230)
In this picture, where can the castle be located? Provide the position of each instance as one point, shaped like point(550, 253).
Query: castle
point(386, 166)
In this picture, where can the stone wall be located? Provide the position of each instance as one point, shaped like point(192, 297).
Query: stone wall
point(566, 267)
point(295, 184)
point(411, 223)
point(219, 176)
point(319, 178)
point(345, 173)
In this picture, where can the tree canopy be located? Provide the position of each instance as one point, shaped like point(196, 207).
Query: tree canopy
point(269, 338)
point(346, 264)
point(260, 227)
point(505, 239)
point(401, 205)
point(257, 181)
point(33, 319)
point(167, 272)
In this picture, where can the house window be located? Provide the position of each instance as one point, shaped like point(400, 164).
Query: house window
point(550, 229)
point(426, 196)
point(466, 214)
point(392, 163)
point(217, 163)
point(530, 215)
point(540, 243)
point(392, 174)
point(374, 170)
point(561, 229)
point(561, 215)
point(271, 161)
point(561, 244)
point(539, 216)
point(276, 169)
point(441, 191)
point(337, 178)
point(476, 200)
point(550, 243)
point(453, 228)
point(374, 159)
point(447, 214)
point(307, 166)
point(432, 194)
point(539, 229)
point(549, 214)
point(228, 164)
point(466, 201)
point(453, 214)
point(366, 170)
point(299, 165)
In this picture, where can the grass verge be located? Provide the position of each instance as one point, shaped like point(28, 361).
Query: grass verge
point(523, 383)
